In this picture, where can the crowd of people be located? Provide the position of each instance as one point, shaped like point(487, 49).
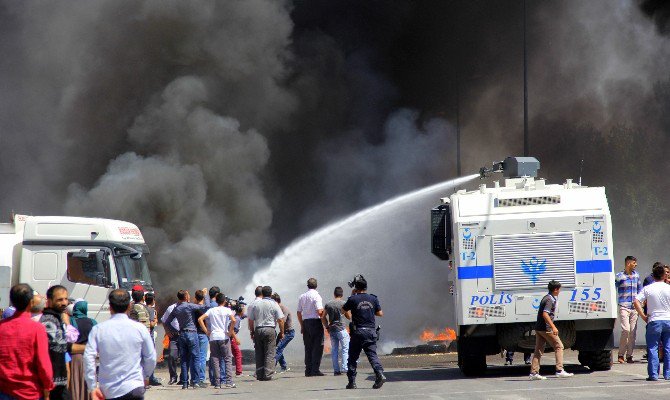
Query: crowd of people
point(648, 299)
point(51, 349)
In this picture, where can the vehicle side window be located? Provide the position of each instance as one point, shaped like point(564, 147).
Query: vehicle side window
point(81, 270)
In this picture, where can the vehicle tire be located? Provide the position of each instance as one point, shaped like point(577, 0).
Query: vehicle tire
point(601, 360)
point(471, 361)
point(585, 357)
point(509, 335)
point(567, 333)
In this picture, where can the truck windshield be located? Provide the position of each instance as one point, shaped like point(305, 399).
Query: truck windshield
point(133, 270)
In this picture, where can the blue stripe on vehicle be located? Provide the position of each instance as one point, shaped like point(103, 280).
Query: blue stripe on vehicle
point(478, 271)
point(594, 266)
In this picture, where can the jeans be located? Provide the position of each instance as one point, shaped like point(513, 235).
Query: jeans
point(339, 344)
point(658, 331)
point(222, 355)
point(203, 344)
point(281, 345)
point(190, 356)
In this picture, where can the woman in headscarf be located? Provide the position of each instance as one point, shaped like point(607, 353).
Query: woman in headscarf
point(84, 324)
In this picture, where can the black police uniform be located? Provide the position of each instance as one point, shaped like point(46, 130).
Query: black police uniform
point(363, 307)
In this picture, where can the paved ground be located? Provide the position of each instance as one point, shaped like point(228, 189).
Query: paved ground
point(438, 377)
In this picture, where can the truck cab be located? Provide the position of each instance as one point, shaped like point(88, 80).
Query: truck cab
point(506, 242)
point(89, 256)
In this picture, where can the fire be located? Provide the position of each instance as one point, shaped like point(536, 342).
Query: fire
point(447, 334)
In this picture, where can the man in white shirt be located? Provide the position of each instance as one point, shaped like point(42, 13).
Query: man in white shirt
point(309, 312)
point(126, 351)
point(657, 317)
point(222, 324)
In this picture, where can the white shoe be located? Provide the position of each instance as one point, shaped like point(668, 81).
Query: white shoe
point(564, 374)
point(536, 377)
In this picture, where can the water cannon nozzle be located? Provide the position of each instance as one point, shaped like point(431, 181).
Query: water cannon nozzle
point(485, 172)
point(512, 167)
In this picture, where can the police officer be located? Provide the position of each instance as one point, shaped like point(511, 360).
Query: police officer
point(363, 308)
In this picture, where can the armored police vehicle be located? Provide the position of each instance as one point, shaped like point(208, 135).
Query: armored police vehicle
point(503, 244)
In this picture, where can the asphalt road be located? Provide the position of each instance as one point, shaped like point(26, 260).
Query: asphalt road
point(438, 377)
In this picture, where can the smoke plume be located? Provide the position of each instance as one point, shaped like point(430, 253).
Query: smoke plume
point(227, 129)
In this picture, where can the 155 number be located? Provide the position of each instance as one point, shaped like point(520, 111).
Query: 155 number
point(586, 294)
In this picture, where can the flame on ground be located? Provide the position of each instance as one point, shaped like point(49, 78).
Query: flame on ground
point(447, 334)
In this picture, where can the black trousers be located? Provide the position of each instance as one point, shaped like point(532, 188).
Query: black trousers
point(60, 392)
point(312, 337)
point(366, 340)
point(172, 357)
point(135, 394)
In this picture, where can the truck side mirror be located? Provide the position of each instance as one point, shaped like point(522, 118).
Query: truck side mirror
point(101, 279)
point(102, 266)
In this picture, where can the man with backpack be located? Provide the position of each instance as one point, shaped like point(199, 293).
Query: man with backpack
point(139, 311)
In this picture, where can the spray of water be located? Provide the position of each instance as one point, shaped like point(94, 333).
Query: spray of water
point(389, 244)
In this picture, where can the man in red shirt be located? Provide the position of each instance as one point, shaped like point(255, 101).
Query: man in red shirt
point(25, 370)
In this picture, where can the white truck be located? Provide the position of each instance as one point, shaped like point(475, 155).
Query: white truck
point(89, 256)
point(504, 244)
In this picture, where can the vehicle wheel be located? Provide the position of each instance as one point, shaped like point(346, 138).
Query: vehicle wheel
point(509, 335)
point(585, 357)
point(470, 361)
point(567, 333)
point(601, 360)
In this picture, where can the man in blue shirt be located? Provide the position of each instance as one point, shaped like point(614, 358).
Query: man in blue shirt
point(363, 307)
point(189, 347)
point(126, 351)
point(628, 284)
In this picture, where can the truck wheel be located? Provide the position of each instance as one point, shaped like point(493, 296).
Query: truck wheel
point(601, 360)
point(470, 360)
point(509, 335)
point(585, 357)
point(567, 333)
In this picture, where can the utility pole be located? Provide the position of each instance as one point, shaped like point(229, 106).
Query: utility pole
point(526, 142)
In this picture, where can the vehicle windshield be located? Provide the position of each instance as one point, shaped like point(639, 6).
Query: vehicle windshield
point(133, 270)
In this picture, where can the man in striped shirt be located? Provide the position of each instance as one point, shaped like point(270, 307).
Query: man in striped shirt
point(628, 285)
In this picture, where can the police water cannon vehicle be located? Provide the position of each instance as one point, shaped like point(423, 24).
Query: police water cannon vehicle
point(505, 243)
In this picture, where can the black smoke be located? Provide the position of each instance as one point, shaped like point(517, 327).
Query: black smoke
point(227, 129)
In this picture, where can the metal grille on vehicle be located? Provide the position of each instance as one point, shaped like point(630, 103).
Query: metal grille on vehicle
point(528, 201)
point(486, 311)
point(587, 306)
point(531, 261)
point(468, 244)
point(598, 237)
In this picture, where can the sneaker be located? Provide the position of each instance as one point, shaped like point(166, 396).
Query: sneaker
point(536, 377)
point(282, 370)
point(651, 379)
point(621, 360)
point(229, 386)
point(202, 385)
point(564, 374)
point(630, 360)
point(508, 362)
